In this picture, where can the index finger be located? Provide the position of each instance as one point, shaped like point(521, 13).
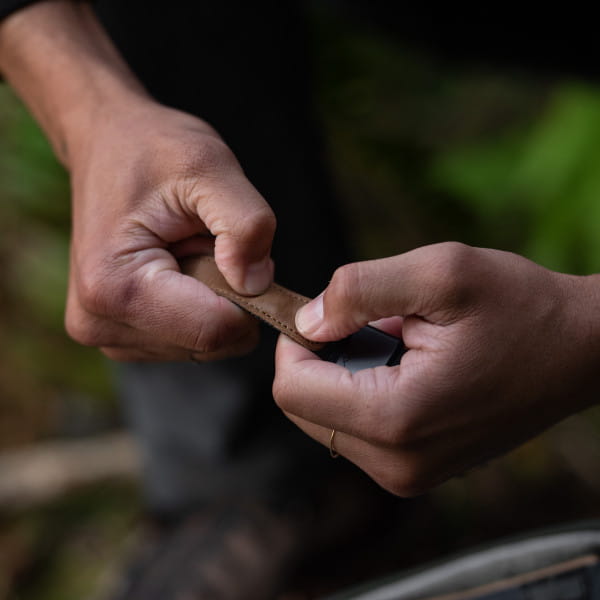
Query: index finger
point(363, 404)
point(243, 225)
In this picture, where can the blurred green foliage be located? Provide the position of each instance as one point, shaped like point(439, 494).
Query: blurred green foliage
point(427, 150)
point(41, 371)
point(544, 177)
point(58, 549)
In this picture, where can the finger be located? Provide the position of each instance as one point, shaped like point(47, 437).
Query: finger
point(244, 225)
point(391, 325)
point(420, 334)
point(183, 312)
point(367, 404)
point(149, 353)
point(193, 246)
point(428, 281)
point(240, 348)
point(392, 470)
point(352, 448)
point(150, 294)
point(91, 330)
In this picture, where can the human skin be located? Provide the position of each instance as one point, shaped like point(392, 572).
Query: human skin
point(149, 185)
point(499, 349)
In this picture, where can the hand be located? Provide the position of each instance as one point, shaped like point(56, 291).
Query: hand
point(499, 349)
point(151, 184)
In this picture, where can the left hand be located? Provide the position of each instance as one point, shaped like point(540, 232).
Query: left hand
point(499, 349)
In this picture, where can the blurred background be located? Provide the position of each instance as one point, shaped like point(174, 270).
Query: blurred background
point(423, 149)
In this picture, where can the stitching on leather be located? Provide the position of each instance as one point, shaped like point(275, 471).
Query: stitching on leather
point(244, 302)
point(291, 294)
point(274, 320)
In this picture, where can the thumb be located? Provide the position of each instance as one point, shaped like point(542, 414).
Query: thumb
point(425, 281)
point(357, 294)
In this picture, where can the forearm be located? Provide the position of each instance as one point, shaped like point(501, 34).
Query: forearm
point(59, 60)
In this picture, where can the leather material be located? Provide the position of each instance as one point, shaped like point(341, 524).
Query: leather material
point(277, 306)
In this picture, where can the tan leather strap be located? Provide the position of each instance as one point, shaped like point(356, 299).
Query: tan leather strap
point(277, 306)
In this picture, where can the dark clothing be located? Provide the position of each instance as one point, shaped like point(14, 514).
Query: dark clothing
point(243, 67)
point(533, 37)
point(10, 6)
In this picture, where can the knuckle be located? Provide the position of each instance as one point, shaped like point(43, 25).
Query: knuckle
point(235, 349)
point(207, 336)
point(342, 291)
point(211, 156)
point(212, 328)
point(344, 283)
point(389, 434)
point(402, 488)
point(204, 339)
point(394, 485)
point(122, 354)
point(451, 269)
point(282, 392)
point(262, 221)
point(258, 224)
point(279, 392)
point(406, 480)
point(101, 293)
point(90, 292)
point(115, 354)
point(83, 329)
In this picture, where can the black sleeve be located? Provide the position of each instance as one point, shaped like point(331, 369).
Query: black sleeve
point(10, 6)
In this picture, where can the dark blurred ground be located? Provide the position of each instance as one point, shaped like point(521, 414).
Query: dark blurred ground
point(423, 150)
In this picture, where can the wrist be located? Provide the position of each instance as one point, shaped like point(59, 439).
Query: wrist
point(80, 126)
point(65, 68)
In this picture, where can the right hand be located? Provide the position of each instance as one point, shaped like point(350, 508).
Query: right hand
point(150, 185)
point(499, 349)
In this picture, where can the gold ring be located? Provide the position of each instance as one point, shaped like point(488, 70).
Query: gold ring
point(332, 451)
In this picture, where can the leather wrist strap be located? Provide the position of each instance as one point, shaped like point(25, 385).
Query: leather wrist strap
point(277, 306)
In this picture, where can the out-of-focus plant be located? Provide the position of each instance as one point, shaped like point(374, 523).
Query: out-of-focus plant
point(418, 141)
point(48, 384)
point(545, 175)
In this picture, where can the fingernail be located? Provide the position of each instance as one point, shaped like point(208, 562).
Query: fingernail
point(258, 277)
point(310, 316)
